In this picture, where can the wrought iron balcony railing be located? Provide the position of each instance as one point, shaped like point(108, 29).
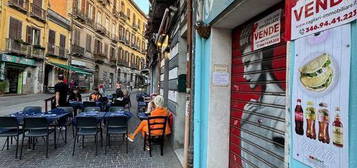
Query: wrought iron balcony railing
point(21, 5)
point(57, 51)
point(37, 52)
point(77, 50)
point(100, 28)
point(17, 47)
point(38, 13)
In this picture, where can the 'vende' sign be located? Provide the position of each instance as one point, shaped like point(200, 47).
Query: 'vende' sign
point(267, 31)
point(311, 16)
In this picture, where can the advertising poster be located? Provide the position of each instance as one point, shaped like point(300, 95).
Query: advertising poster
point(267, 31)
point(311, 16)
point(320, 98)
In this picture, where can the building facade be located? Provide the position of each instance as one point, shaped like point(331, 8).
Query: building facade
point(107, 39)
point(22, 45)
point(58, 34)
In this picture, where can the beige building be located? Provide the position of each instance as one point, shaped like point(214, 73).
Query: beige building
point(107, 41)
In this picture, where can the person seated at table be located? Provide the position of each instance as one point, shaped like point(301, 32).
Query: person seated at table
point(75, 95)
point(159, 110)
point(95, 96)
point(122, 99)
point(151, 105)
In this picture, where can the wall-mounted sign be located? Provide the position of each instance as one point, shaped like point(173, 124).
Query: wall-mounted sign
point(320, 98)
point(312, 16)
point(267, 31)
point(18, 60)
point(220, 76)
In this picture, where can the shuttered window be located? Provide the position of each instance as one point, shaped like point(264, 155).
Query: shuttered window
point(89, 43)
point(15, 29)
point(62, 50)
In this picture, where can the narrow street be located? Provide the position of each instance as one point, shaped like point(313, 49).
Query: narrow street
point(84, 157)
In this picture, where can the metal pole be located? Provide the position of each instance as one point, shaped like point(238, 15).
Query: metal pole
point(189, 83)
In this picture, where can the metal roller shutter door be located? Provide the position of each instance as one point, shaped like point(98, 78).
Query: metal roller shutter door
point(257, 105)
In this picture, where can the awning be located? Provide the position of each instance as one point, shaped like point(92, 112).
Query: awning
point(71, 68)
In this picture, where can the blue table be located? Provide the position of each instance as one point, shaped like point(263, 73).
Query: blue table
point(142, 116)
point(51, 117)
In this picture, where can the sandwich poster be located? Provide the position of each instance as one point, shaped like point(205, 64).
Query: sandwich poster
point(320, 98)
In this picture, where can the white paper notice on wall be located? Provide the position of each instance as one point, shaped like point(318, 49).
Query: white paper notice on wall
point(220, 76)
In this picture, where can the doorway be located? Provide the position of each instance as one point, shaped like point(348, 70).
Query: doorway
point(13, 77)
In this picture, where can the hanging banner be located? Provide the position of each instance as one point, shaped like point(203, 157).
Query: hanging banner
point(312, 16)
point(267, 31)
point(320, 98)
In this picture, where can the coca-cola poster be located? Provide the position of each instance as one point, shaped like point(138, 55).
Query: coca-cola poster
point(320, 98)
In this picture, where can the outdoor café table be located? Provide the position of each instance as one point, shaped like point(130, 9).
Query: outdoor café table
point(142, 116)
point(119, 114)
point(51, 118)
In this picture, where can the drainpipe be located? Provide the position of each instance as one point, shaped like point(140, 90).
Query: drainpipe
point(189, 85)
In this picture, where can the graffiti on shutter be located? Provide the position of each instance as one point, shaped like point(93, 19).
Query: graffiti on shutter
point(257, 102)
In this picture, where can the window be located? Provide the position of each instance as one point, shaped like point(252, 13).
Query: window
point(99, 17)
point(128, 14)
point(90, 11)
point(76, 36)
point(15, 29)
point(112, 53)
point(89, 43)
point(107, 24)
point(62, 49)
point(106, 49)
point(134, 18)
point(97, 47)
point(33, 35)
point(122, 7)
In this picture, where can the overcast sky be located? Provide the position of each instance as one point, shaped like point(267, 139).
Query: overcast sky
point(143, 5)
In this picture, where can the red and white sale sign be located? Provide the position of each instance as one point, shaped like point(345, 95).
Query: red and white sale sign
point(267, 31)
point(312, 16)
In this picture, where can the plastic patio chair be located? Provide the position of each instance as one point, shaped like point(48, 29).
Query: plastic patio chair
point(10, 128)
point(34, 128)
point(155, 124)
point(116, 108)
point(88, 109)
point(116, 125)
point(86, 126)
point(32, 109)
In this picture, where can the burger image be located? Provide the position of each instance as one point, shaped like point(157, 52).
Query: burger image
point(317, 74)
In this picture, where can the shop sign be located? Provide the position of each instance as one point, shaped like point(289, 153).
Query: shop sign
point(220, 76)
point(267, 31)
point(320, 98)
point(79, 63)
point(312, 16)
point(18, 60)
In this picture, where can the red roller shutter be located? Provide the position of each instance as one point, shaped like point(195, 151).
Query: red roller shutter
point(257, 100)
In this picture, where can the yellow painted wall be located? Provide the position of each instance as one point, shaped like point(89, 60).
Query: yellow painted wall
point(26, 20)
point(59, 30)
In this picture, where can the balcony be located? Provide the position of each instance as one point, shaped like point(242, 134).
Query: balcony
point(91, 22)
point(77, 50)
point(136, 27)
point(17, 47)
point(37, 52)
point(100, 28)
point(122, 15)
point(100, 56)
point(113, 59)
point(21, 5)
point(57, 51)
point(79, 14)
point(38, 13)
point(121, 39)
point(114, 38)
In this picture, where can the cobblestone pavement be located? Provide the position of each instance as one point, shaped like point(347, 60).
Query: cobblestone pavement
point(85, 157)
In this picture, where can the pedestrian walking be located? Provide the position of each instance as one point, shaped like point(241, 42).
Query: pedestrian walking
point(61, 91)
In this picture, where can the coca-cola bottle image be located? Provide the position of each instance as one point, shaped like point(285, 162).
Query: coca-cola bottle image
point(337, 130)
point(310, 120)
point(299, 118)
point(323, 123)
